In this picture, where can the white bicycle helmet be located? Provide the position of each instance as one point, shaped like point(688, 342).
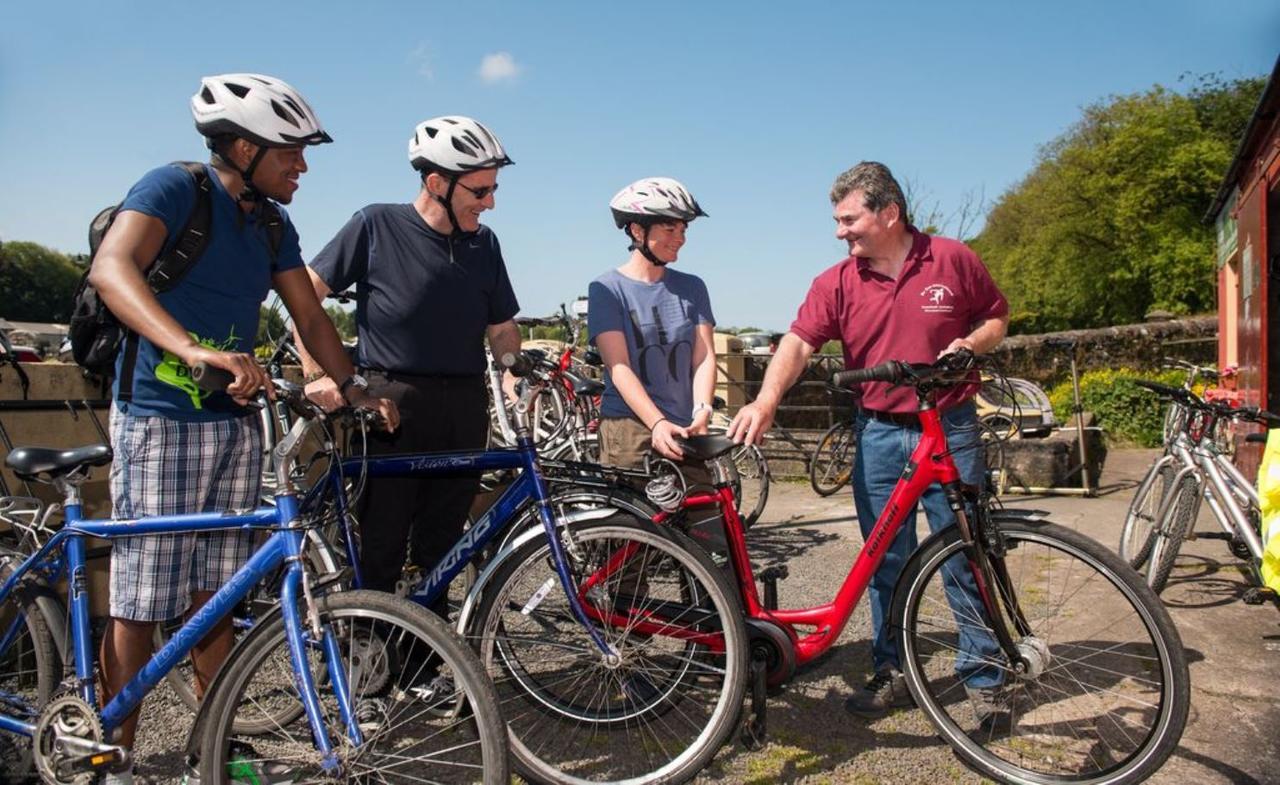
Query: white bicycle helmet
point(261, 109)
point(654, 200)
point(455, 145)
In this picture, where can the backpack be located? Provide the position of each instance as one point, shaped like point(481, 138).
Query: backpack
point(95, 333)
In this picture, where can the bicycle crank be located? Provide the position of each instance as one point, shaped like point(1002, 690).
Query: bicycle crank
point(69, 744)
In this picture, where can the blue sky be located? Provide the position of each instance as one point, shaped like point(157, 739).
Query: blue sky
point(754, 106)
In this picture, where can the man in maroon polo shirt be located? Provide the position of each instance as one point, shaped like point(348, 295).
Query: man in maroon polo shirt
point(901, 295)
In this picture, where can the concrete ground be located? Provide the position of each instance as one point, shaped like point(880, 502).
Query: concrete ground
point(1233, 730)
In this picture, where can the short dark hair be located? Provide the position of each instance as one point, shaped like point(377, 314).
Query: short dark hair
point(877, 184)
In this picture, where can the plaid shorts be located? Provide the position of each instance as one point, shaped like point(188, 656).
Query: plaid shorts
point(168, 467)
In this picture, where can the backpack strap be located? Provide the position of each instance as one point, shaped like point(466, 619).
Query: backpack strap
point(172, 265)
point(274, 224)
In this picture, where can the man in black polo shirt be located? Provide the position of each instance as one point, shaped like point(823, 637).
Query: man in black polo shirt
point(430, 286)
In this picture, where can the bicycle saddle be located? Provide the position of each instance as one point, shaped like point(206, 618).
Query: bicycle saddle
point(706, 448)
point(27, 462)
point(587, 386)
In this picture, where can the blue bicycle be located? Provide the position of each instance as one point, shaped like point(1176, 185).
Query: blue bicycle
point(586, 697)
point(348, 686)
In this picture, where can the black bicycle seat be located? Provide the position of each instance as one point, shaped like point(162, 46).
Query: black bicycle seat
point(28, 462)
point(706, 448)
point(587, 387)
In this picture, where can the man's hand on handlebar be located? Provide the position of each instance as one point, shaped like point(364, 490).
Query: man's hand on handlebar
point(249, 376)
point(323, 392)
point(750, 423)
point(957, 345)
point(385, 407)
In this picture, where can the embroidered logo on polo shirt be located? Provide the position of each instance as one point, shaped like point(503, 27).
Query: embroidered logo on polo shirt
point(938, 298)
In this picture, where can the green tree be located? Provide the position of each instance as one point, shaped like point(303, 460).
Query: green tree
point(271, 326)
point(38, 283)
point(343, 320)
point(1109, 223)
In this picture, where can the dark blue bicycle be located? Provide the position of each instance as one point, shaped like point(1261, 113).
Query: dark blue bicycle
point(586, 698)
point(345, 685)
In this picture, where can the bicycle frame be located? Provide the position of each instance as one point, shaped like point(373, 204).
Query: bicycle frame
point(528, 488)
point(930, 462)
point(284, 546)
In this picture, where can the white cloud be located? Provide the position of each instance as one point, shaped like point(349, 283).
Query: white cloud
point(421, 59)
point(499, 67)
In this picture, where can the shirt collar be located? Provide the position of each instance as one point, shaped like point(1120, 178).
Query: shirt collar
point(921, 250)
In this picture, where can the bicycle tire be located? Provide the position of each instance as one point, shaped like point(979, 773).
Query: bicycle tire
point(1002, 425)
point(377, 632)
point(831, 466)
point(1177, 524)
point(1138, 534)
point(751, 483)
point(1095, 692)
point(644, 710)
point(180, 677)
point(30, 670)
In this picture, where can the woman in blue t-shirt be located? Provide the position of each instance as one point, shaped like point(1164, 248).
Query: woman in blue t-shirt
point(653, 327)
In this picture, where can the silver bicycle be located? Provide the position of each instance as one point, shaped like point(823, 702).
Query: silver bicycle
point(1192, 470)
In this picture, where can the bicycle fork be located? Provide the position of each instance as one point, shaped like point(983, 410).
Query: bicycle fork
point(984, 550)
point(304, 631)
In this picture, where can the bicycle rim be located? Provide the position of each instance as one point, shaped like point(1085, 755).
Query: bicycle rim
point(662, 711)
point(1106, 698)
point(29, 673)
point(420, 700)
point(1168, 537)
point(1139, 532)
point(832, 463)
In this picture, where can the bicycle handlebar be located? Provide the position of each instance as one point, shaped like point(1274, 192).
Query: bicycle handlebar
point(946, 370)
point(518, 363)
point(892, 372)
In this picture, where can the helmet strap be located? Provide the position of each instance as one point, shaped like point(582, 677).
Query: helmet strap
point(250, 192)
point(447, 199)
point(642, 245)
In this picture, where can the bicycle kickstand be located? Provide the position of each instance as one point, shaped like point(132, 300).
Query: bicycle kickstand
point(755, 731)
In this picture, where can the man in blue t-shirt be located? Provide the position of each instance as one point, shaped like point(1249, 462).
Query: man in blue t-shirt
point(430, 286)
point(177, 449)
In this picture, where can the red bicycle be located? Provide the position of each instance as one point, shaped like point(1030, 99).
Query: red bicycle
point(1093, 681)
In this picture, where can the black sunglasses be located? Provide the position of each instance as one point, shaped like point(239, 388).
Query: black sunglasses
point(481, 192)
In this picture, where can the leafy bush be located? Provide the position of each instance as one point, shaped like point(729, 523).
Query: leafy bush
point(1127, 412)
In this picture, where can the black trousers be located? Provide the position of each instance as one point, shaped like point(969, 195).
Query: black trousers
point(420, 518)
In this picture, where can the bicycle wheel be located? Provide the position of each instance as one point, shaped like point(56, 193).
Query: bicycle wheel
point(1177, 524)
point(1106, 695)
point(832, 463)
point(324, 560)
point(662, 710)
point(30, 670)
point(417, 727)
point(1004, 426)
point(1138, 534)
point(751, 483)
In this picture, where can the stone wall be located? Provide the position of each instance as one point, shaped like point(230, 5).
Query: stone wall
point(1138, 346)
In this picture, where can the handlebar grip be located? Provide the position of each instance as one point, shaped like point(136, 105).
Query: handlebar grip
point(211, 378)
point(518, 364)
point(884, 372)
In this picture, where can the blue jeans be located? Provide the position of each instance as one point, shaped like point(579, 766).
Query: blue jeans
point(882, 451)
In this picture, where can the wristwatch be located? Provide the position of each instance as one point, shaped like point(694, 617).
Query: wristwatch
point(700, 406)
point(314, 376)
point(354, 380)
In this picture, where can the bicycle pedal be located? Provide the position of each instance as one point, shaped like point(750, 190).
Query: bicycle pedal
point(112, 761)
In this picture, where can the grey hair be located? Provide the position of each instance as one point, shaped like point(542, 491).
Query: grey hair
point(875, 181)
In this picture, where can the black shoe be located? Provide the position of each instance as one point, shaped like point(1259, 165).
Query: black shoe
point(886, 690)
